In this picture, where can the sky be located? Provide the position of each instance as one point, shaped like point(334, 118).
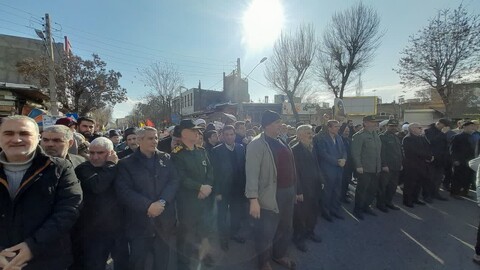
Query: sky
point(203, 39)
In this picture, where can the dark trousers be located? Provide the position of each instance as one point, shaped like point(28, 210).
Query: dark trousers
point(416, 180)
point(387, 186)
point(477, 245)
point(463, 177)
point(273, 231)
point(346, 178)
point(367, 187)
point(305, 218)
point(237, 208)
point(438, 174)
point(94, 251)
point(150, 253)
point(447, 181)
point(332, 193)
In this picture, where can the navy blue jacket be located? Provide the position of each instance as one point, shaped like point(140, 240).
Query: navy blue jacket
point(229, 180)
point(138, 185)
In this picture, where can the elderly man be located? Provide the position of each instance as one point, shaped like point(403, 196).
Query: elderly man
point(228, 160)
point(270, 188)
point(366, 156)
point(40, 198)
point(56, 140)
point(195, 199)
point(147, 184)
point(309, 188)
point(418, 158)
point(332, 156)
point(99, 230)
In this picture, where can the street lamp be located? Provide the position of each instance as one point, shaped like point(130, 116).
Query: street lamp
point(261, 61)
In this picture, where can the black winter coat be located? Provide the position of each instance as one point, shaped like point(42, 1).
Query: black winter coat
point(102, 214)
point(438, 145)
point(417, 154)
point(462, 149)
point(230, 179)
point(309, 176)
point(43, 211)
point(138, 186)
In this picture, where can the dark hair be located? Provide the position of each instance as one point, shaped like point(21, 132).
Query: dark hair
point(228, 127)
point(208, 134)
point(239, 123)
point(85, 118)
point(317, 129)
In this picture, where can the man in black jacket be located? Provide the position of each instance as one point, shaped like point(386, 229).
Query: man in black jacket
point(99, 230)
point(439, 147)
point(309, 187)
point(463, 150)
point(130, 143)
point(228, 160)
point(147, 184)
point(417, 159)
point(40, 198)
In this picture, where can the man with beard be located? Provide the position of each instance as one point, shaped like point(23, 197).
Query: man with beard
point(241, 132)
point(131, 144)
point(147, 184)
point(86, 127)
point(309, 186)
point(462, 151)
point(417, 159)
point(439, 147)
point(228, 160)
point(40, 198)
point(270, 187)
point(56, 140)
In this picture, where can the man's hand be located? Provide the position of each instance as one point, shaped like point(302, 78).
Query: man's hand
point(205, 190)
point(23, 255)
point(218, 197)
point(360, 170)
point(341, 162)
point(112, 157)
point(254, 208)
point(300, 198)
point(385, 169)
point(155, 209)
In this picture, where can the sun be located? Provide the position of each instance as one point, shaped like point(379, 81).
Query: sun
point(262, 23)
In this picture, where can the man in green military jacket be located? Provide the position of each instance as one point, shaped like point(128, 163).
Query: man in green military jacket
point(194, 198)
point(366, 156)
point(392, 158)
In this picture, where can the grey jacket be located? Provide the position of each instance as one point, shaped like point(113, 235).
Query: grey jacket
point(261, 174)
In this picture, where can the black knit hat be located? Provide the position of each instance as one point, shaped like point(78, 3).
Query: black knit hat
point(129, 131)
point(269, 117)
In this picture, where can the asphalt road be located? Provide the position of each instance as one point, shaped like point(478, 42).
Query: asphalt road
point(441, 235)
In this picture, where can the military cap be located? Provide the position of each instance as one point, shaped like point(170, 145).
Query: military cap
point(392, 122)
point(184, 124)
point(371, 118)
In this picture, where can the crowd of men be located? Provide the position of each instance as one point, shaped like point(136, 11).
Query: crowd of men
point(71, 198)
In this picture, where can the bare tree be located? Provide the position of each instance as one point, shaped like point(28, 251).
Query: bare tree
point(442, 53)
point(292, 56)
point(102, 116)
point(348, 46)
point(165, 81)
point(424, 95)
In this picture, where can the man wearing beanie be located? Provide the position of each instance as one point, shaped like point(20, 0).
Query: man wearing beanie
point(270, 187)
point(130, 137)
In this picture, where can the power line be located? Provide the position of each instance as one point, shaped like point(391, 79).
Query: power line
point(32, 16)
point(211, 87)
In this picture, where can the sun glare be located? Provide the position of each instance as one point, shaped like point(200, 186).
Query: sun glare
point(262, 23)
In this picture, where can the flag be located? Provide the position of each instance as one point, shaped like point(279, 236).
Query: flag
point(149, 123)
point(68, 47)
point(141, 124)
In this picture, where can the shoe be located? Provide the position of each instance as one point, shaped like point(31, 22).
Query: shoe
point(358, 214)
point(370, 212)
point(224, 245)
point(408, 204)
point(419, 202)
point(393, 207)
point(301, 246)
point(266, 266)
point(286, 262)
point(440, 198)
point(476, 259)
point(383, 209)
point(333, 214)
point(208, 261)
point(428, 200)
point(315, 238)
point(327, 217)
point(238, 239)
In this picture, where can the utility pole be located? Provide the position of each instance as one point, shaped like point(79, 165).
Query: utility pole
point(51, 68)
